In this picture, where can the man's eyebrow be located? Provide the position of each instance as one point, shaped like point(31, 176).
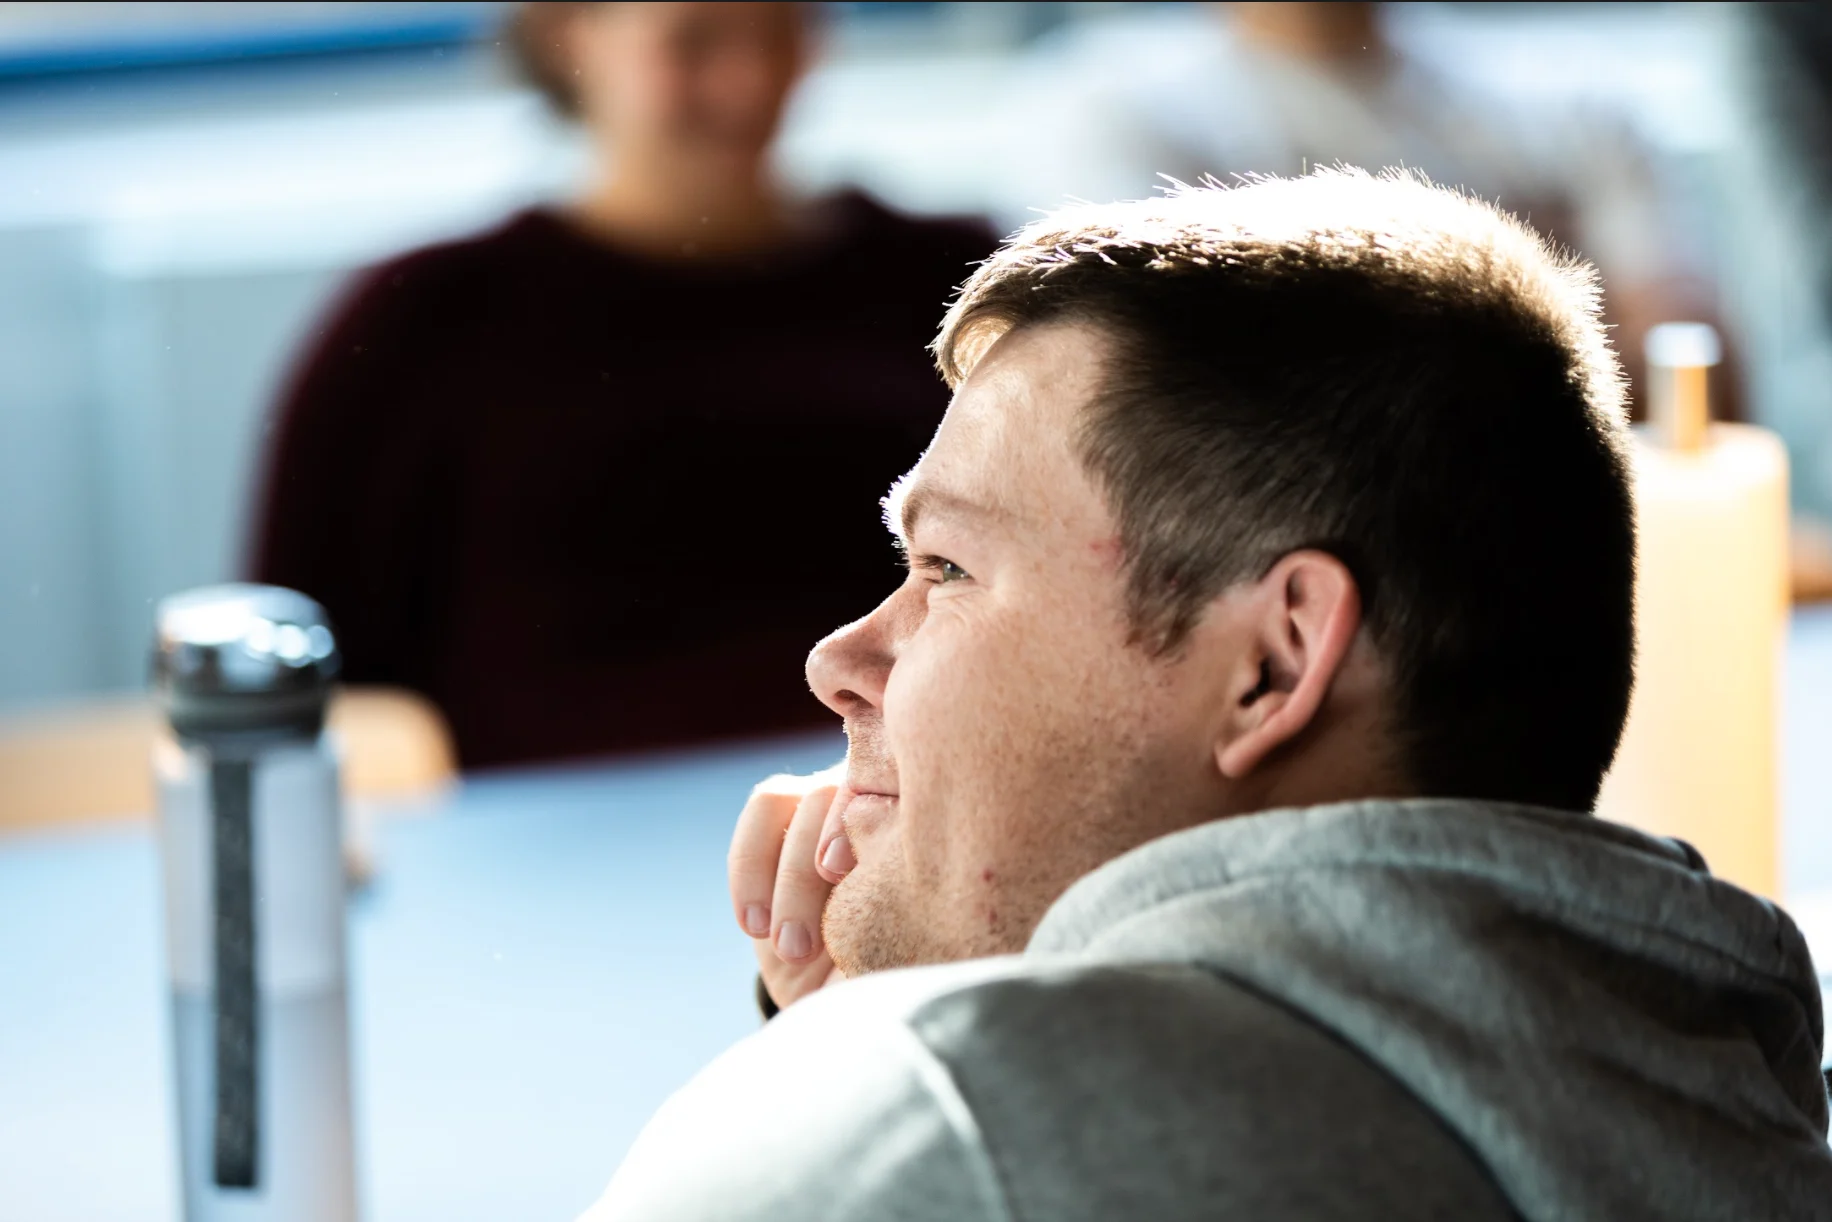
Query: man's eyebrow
point(909, 499)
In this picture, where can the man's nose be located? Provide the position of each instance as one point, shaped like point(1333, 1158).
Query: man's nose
point(849, 668)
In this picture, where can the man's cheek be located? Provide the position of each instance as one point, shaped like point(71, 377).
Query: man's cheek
point(916, 700)
point(929, 720)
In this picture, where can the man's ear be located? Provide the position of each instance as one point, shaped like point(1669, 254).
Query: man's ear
point(1302, 618)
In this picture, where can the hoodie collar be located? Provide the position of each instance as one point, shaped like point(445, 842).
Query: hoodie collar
point(1575, 861)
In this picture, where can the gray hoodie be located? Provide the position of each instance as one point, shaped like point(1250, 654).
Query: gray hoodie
point(1422, 1009)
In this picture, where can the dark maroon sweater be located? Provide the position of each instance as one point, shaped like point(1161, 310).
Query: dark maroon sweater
point(588, 502)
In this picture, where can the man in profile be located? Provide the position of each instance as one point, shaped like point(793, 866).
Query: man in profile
point(1213, 839)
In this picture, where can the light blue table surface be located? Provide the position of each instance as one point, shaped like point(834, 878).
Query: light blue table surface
point(536, 968)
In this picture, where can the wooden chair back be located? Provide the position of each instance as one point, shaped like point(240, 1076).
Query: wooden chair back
point(91, 762)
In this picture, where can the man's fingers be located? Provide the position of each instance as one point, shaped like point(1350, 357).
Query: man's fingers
point(833, 858)
point(788, 983)
point(757, 843)
point(756, 848)
point(801, 893)
point(777, 892)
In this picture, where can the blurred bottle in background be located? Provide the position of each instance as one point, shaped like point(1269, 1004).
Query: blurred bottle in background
point(596, 480)
point(1700, 755)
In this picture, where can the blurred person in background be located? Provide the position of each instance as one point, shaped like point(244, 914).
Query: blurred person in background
point(1260, 88)
point(1776, 184)
point(591, 480)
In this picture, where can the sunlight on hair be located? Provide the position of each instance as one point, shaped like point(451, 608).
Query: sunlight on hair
point(1397, 224)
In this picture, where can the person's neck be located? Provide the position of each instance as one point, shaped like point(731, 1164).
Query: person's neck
point(1343, 756)
point(666, 217)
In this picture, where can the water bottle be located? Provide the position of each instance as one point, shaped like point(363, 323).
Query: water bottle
point(250, 834)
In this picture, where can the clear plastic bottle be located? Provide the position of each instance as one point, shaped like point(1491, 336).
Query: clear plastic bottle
point(249, 823)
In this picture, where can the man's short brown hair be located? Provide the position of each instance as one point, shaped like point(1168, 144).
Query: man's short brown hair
point(1386, 370)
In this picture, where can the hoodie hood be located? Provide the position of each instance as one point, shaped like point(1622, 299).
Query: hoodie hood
point(1613, 1031)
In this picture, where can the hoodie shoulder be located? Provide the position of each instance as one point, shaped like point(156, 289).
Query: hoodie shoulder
point(834, 1111)
point(1008, 1089)
point(1170, 1092)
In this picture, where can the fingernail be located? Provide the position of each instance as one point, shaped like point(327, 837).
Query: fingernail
point(838, 858)
point(757, 920)
point(793, 941)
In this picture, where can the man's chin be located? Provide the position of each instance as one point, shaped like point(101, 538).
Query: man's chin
point(866, 930)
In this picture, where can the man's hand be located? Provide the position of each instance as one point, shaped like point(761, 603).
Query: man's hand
point(778, 888)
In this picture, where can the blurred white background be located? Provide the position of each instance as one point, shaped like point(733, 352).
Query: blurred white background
point(183, 185)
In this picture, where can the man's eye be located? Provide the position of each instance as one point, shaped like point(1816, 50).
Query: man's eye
point(945, 570)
